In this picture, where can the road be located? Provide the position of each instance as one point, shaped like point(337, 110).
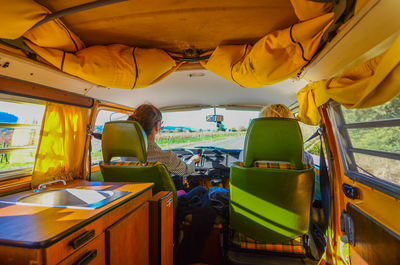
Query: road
point(230, 143)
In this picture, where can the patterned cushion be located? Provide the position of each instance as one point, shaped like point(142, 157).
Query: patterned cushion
point(278, 165)
point(294, 246)
point(130, 163)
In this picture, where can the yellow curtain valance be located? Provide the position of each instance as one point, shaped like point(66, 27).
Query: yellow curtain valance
point(370, 84)
point(62, 140)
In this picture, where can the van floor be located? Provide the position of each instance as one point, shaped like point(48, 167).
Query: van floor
point(236, 258)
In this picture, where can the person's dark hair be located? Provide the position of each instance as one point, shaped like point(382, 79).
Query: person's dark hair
point(147, 116)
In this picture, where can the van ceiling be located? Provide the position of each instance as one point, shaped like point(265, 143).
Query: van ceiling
point(175, 25)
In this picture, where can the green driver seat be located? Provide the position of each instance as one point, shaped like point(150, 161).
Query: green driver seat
point(128, 139)
point(271, 190)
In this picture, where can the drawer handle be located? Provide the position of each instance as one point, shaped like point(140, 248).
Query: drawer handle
point(82, 239)
point(91, 255)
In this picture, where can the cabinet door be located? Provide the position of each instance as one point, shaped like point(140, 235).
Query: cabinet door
point(127, 240)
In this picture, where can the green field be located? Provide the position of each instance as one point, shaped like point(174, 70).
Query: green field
point(181, 140)
point(5, 166)
point(177, 140)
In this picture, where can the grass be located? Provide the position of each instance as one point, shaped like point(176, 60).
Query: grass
point(10, 165)
point(177, 140)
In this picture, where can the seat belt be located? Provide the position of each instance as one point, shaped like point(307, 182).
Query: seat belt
point(325, 186)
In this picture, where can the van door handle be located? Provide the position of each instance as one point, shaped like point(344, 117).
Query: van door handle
point(350, 191)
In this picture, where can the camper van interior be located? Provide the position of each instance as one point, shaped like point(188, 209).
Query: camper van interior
point(135, 132)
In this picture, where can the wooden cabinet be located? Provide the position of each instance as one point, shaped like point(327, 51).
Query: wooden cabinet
point(127, 240)
point(161, 228)
point(115, 234)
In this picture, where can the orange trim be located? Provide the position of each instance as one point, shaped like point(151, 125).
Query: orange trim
point(95, 168)
point(97, 107)
point(22, 88)
point(335, 174)
point(15, 184)
point(114, 107)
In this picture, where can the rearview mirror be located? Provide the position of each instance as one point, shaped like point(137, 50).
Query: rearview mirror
point(214, 118)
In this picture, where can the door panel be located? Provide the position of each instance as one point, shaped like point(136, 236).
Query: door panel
point(374, 243)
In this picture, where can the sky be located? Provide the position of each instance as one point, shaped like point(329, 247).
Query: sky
point(26, 113)
point(194, 119)
point(197, 119)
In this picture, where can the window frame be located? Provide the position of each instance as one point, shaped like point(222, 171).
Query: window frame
point(106, 107)
point(346, 149)
point(19, 172)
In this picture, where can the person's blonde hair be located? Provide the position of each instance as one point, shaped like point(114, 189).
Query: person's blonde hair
point(276, 110)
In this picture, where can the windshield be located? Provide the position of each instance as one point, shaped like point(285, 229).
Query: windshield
point(190, 129)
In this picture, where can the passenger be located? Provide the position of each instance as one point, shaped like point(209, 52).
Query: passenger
point(281, 111)
point(150, 118)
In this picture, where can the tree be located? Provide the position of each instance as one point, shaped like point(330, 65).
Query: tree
point(242, 129)
point(220, 126)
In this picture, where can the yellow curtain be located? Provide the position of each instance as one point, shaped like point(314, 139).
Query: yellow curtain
point(277, 56)
point(60, 151)
point(19, 16)
point(370, 84)
point(274, 58)
point(117, 65)
point(61, 37)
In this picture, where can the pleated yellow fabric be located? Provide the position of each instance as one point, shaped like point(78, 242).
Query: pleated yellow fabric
point(370, 84)
point(60, 151)
point(274, 58)
point(306, 10)
point(19, 16)
point(54, 34)
point(117, 65)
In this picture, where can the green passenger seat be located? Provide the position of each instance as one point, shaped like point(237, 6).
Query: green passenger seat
point(271, 201)
point(128, 139)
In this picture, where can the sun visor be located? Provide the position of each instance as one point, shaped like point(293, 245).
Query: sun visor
point(370, 84)
point(116, 66)
point(274, 58)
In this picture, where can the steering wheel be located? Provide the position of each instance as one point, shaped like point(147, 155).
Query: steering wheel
point(184, 153)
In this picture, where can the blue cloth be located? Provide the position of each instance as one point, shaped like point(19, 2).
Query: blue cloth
point(197, 203)
point(219, 199)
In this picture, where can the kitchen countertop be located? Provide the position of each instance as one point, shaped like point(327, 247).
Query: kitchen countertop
point(40, 226)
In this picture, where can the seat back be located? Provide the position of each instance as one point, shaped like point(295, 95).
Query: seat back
point(271, 202)
point(127, 139)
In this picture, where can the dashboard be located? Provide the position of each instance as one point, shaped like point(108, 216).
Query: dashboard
point(215, 162)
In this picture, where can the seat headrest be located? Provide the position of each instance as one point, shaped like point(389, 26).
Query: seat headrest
point(124, 139)
point(274, 139)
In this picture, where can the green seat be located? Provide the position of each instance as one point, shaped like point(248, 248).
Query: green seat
point(127, 139)
point(271, 204)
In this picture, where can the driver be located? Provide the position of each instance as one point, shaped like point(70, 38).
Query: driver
point(149, 117)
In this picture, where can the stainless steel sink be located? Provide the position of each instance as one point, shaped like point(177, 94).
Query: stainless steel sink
point(71, 198)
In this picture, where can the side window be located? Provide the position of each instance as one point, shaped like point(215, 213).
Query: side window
point(20, 124)
point(370, 142)
point(312, 146)
point(103, 116)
